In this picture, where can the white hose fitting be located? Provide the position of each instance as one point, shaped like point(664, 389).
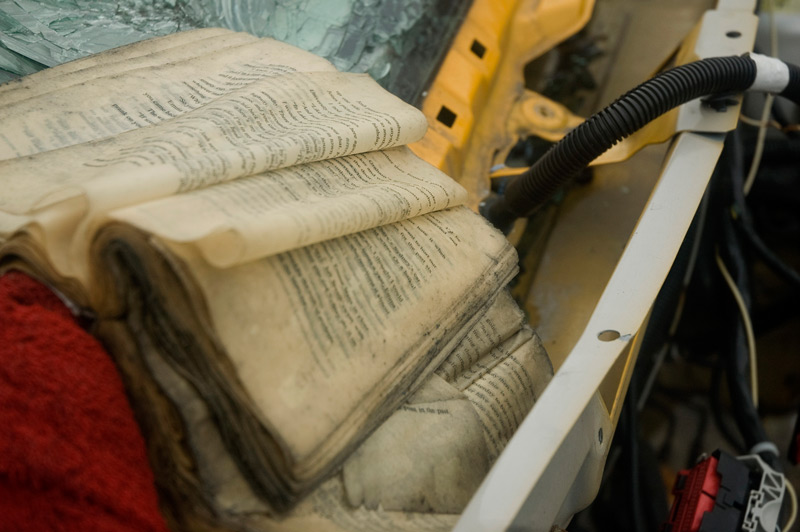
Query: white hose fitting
point(772, 75)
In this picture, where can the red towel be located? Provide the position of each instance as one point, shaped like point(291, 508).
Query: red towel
point(71, 454)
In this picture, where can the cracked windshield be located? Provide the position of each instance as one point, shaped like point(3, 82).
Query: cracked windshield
point(397, 42)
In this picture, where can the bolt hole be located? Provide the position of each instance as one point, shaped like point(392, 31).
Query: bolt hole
point(446, 116)
point(544, 111)
point(478, 49)
point(733, 34)
point(608, 336)
point(600, 435)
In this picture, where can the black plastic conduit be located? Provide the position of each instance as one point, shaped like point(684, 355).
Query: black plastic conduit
point(628, 114)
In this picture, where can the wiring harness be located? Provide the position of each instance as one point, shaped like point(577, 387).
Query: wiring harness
point(722, 242)
point(629, 113)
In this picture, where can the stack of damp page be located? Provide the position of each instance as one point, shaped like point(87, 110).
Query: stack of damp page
point(313, 329)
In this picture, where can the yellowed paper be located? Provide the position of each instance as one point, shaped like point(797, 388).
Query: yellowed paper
point(337, 306)
point(112, 104)
point(503, 320)
point(286, 209)
point(52, 78)
point(429, 456)
point(325, 509)
point(275, 122)
point(325, 292)
point(505, 393)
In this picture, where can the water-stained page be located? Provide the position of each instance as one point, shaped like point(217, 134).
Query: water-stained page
point(113, 101)
point(345, 317)
point(275, 122)
point(150, 52)
point(285, 209)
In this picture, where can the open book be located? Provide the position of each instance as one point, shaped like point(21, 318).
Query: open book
point(272, 270)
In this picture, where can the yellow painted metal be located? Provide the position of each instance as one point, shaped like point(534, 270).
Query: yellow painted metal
point(659, 130)
point(662, 128)
point(480, 85)
point(536, 115)
point(601, 268)
point(477, 107)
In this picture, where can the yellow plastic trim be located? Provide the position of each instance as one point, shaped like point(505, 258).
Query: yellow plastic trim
point(469, 105)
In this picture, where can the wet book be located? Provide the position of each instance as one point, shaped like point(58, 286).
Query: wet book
point(290, 293)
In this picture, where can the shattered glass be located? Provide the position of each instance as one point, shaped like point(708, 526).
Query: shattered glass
point(44, 33)
point(398, 42)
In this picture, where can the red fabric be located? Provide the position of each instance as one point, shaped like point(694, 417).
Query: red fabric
point(71, 454)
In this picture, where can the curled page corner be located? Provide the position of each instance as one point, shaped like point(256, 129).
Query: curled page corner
point(222, 248)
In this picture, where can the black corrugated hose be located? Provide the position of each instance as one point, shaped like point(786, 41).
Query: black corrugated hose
point(629, 113)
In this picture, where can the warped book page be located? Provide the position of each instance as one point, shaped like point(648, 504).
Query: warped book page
point(359, 320)
point(200, 485)
point(106, 100)
point(414, 473)
point(432, 454)
point(290, 208)
point(148, 53)
point(59, 197)
point(275, 122)
point(256, 231)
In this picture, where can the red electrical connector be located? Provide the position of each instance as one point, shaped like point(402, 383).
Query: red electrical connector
point(695, 491)
point(726, 494)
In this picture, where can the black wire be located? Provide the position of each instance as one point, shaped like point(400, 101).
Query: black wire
point(626, 115)
point(633, 456)
point(655, 404)
point(736, 351)
point(696, 448)
point(769, 258)
point(717, 412)
point(780, 116)
point(746, 228)
point(780, 310)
